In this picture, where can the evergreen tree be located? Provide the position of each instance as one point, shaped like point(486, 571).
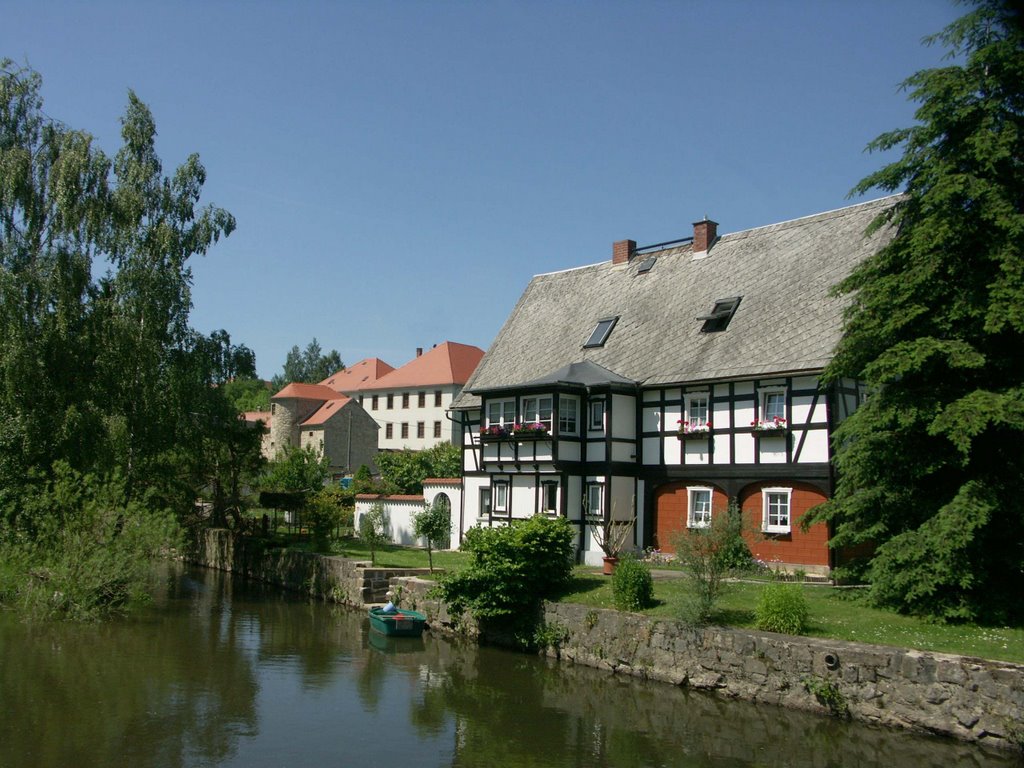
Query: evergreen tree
point(929, 469)
point(309, 366)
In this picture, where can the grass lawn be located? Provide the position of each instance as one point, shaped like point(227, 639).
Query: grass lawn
point(388, 556)
point(834, 613)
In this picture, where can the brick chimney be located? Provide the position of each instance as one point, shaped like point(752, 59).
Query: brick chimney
point(704, 234)
point(622, 251)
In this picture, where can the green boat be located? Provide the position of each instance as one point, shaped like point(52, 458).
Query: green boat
point(400, 623)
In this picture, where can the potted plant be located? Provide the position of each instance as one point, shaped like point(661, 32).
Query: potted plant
point(611, 535)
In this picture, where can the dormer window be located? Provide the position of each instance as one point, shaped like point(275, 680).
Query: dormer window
point(601, 332)
point(720, 315)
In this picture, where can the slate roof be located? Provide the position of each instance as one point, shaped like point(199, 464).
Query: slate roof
point(786, 322)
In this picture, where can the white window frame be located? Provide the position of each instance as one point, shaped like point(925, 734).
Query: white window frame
point(533, 410)
point(568, 424)
point(688, 415)
point(595, 493)
point(763, 396)
point(545, 487)
point(766, 513)
point(703, 520)
point(596, 416)
point(501, 413)
point(486, 508)
point(499, 496)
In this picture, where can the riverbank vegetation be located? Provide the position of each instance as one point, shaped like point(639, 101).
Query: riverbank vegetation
point(112, 419)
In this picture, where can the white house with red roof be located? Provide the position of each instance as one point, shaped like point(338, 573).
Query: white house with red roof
point(410, 403)
point(352, 380)
point(371, 406)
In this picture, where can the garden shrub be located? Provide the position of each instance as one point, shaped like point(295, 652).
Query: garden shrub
point(703, 554)
point(782, 608)
point(632, 585)
point(513, 568)
point(323, 514)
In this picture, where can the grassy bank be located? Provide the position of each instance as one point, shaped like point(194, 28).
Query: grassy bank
point(838, 613)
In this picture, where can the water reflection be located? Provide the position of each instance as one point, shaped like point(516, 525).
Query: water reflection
point(221, 673)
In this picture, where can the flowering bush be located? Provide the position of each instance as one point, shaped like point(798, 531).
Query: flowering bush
point(495, 430)
point(776, 424)
point(534, 428)
point(694, 429)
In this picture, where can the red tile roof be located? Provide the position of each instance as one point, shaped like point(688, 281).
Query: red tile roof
point(254, 416)
point(448, 363)
point(358, 376)
point(308, 392)
point(327, 410)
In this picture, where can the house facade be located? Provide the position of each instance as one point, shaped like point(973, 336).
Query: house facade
point(668, 382)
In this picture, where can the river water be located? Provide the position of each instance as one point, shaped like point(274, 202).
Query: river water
point(220, 672)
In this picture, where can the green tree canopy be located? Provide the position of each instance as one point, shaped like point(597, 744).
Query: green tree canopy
point(404, 471)
point(248, 394)
point(929, 468)
point(309, 366)
point(101, 378)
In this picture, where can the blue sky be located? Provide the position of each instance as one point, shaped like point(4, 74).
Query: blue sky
point(399, 170)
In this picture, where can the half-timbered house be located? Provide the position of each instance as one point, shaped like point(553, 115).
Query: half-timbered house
point(668, 381)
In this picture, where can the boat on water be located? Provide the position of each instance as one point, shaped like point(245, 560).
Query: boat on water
point(399, 622)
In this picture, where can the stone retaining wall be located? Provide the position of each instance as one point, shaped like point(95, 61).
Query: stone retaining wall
point(971, 699)
point(967, 698)
point(352, 582)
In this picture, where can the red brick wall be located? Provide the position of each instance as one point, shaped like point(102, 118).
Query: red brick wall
point(670, 505)
point(795, 547)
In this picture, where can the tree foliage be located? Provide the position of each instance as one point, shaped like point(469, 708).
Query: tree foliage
point(404, 471)
point(100, 373)
point(296, 469)
point(309, 366)
point(930, 467)
point(708, 555)
point(247, 394)
point(374, 526)
point(435, 525)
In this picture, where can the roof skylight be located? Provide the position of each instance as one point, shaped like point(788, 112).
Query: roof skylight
point(601, 332)
point(720, 315)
